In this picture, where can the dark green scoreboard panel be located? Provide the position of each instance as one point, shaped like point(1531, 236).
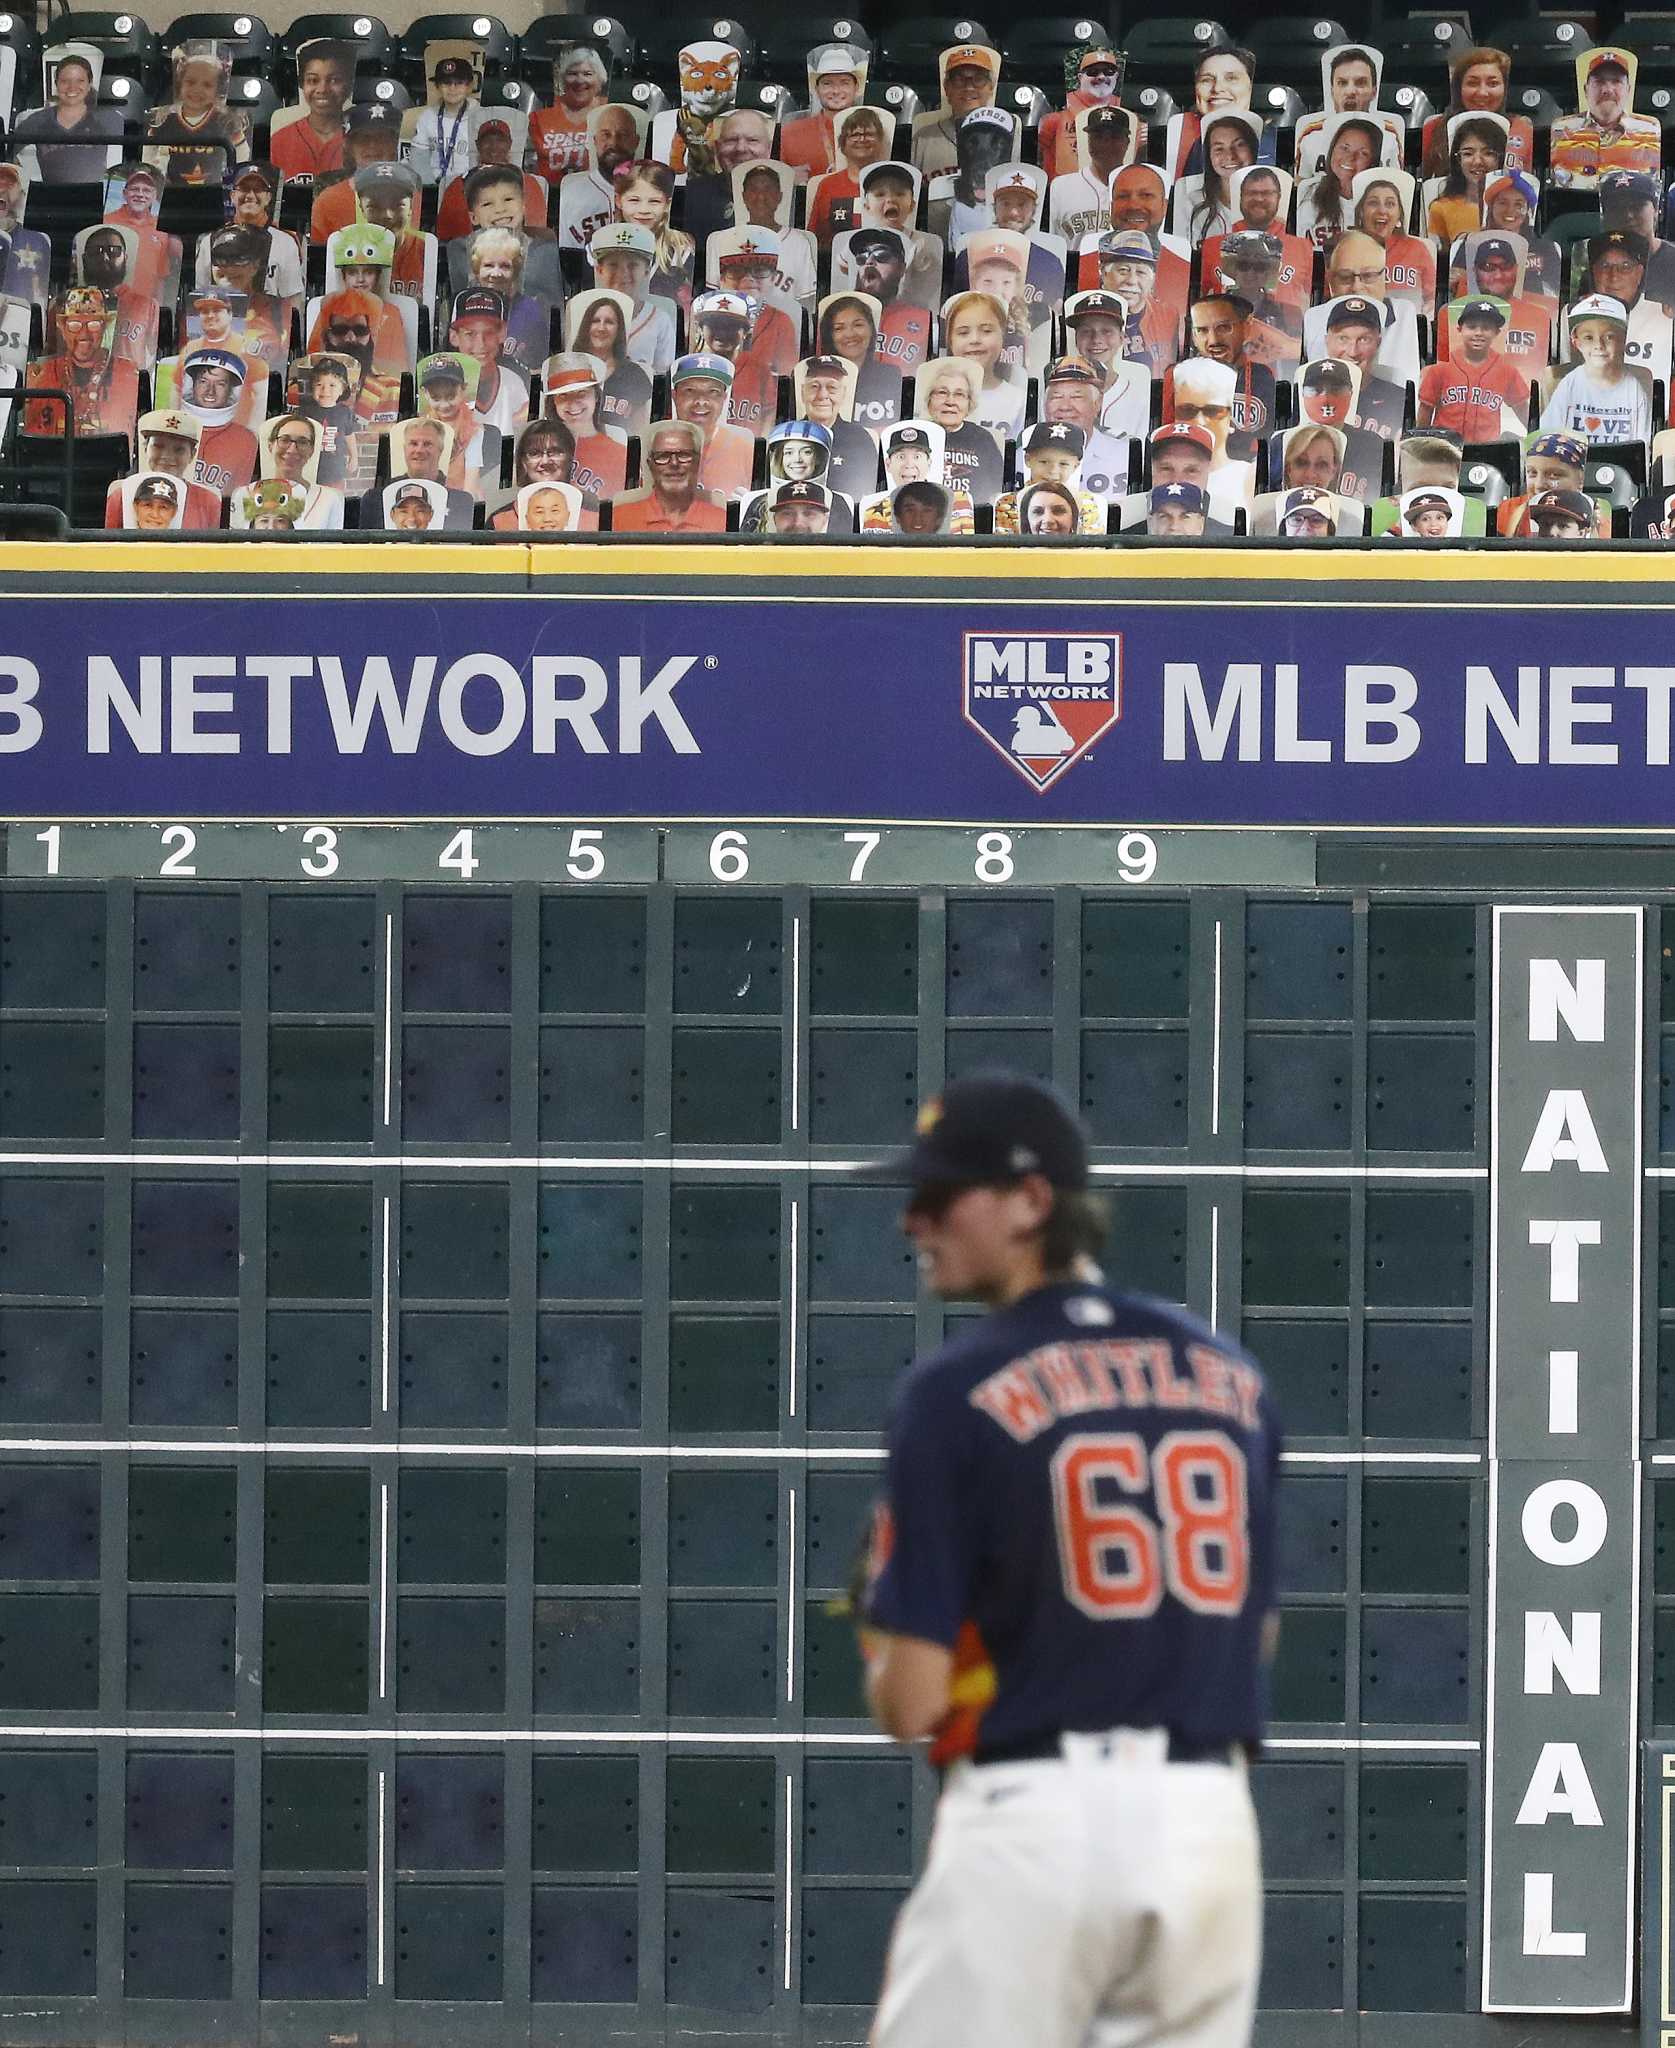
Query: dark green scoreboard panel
point(441, 1363)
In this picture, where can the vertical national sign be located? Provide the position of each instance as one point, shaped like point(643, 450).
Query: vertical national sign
point(1559, 1772)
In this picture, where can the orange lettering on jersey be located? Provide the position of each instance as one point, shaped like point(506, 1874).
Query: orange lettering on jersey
point(1168, 1391)
point(1065, 1380)
point(1213, 1374)
point(1097, 1366)
point(1011, 1398)
point(1128, 1361)
point(1247, 1389)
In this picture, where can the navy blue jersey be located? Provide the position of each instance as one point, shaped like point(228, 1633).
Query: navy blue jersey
point(1084, 1481)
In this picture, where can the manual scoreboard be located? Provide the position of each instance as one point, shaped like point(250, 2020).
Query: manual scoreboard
point(443, 1346)
point(442, 1359)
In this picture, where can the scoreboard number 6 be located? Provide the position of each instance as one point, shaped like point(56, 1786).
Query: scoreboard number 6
point(729, 856)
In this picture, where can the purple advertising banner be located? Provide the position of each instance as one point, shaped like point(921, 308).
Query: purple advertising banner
point(815, 707)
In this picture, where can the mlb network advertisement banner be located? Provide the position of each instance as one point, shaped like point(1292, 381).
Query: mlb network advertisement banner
point(956, 709)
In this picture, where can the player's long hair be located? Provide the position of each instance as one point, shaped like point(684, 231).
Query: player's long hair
point(1075, 1228)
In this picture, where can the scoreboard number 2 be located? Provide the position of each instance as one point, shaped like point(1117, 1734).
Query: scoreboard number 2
point(184, 843)
point(762, 854)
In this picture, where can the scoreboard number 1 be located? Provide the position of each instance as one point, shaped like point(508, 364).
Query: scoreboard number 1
point(709, 853)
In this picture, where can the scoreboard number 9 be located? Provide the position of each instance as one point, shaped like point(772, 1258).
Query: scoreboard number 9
point(1136, 857)
point(709, 853)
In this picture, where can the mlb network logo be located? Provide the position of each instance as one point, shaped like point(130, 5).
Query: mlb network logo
point(1042, 699)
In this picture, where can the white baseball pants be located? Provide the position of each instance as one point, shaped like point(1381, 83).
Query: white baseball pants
point(1102, 1899)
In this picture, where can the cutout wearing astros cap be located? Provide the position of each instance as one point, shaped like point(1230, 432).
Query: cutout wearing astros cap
point(1605, 135)
point(970, 76)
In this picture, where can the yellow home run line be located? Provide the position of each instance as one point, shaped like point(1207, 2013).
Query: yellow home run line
point(1000, 568)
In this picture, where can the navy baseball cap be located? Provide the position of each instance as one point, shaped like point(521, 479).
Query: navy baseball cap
point(1563, 505)
point(1633, 186)
point(479, 300)
point(802, 492)
point(1625, 239)
point(1055, 434)
point(1184, 497)
point(1569, 448)
point(991, 1127)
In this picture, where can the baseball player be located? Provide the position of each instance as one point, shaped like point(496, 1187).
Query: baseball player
point(1072, 1572)
point(1477, 393)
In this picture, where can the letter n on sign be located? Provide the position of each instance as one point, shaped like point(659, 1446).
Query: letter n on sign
point(1564, 1478)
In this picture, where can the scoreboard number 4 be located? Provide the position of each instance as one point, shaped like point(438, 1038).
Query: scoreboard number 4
point(584, 859)
point(762, 854)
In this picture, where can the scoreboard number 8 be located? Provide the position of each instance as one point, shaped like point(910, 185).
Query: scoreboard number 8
point(1136, 857)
